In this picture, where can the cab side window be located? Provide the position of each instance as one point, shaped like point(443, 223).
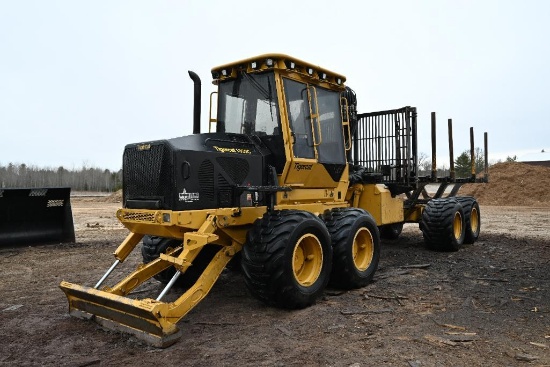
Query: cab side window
point(331, 150)
point(299, 116)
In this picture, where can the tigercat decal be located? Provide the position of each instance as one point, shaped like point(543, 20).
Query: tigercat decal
point(303, 167)
point(232, 150)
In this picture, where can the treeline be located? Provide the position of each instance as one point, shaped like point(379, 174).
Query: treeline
point(81, 179)
point(463, 164)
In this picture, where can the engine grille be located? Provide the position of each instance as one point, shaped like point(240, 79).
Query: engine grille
point(147, 173)
point(206, 179)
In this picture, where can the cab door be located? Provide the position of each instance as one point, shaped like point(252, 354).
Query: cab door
point(317, 144)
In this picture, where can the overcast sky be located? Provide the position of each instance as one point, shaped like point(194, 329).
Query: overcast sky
point(80, 79)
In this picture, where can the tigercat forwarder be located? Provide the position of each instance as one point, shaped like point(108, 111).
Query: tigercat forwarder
point(290, 184)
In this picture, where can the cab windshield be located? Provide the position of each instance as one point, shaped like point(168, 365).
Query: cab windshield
point(248, 105)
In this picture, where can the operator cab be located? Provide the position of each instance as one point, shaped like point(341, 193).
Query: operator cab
point(294, 109)
point(248, 105)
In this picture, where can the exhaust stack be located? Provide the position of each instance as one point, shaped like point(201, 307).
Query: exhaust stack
point(196, 102)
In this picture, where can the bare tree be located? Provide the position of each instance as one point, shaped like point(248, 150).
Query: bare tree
point(83, 179)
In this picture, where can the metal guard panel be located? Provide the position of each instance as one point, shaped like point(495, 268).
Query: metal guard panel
point(385, 144)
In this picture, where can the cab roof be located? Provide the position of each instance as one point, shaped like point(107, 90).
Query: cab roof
point(283, 62)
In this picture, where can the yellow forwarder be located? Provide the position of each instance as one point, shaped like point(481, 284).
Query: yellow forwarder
point(292, 183)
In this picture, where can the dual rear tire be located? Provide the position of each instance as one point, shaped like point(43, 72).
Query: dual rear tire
point(450, 222)
point(472, 218)
point(356, 247)
point(290, 256)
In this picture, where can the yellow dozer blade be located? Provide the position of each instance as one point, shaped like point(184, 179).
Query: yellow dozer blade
point(149, 319)
point(146, 319)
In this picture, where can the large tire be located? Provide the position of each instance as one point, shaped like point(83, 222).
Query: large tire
point(443, 225)
point(153, 246)
point(287, 258)
point(356, 247)
point(472, 218)
point(390, 231)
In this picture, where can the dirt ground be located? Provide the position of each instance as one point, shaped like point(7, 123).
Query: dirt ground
point(485, 305)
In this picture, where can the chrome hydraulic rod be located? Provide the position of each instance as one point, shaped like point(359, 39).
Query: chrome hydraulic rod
point(169, 285)
point(107, 274)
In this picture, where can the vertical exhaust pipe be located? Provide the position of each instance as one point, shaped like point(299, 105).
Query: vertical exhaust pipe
point(196, 102)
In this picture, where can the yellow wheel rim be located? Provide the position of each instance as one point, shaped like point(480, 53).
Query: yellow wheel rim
point(307, 260)
point(474, 220)
point(363, 249)
point(457, 225)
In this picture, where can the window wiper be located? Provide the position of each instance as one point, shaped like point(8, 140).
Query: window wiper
point(270, 101)
point(266, 94)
